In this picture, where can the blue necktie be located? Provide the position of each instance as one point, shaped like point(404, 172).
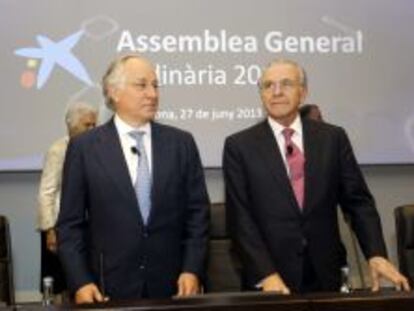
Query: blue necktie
point(143, 182)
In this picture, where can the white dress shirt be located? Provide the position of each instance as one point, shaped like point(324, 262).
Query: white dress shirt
point(127, 143)
point(297, 136)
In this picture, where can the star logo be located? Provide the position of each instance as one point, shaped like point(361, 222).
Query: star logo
point(56, 53)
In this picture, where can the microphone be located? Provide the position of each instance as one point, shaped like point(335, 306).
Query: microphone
point(134, 150)
point(289, 150)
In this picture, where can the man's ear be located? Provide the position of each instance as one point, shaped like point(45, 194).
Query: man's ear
point(303, 95)
point(113, 93)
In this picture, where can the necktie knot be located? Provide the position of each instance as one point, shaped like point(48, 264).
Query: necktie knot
point(138, 136)
point(288, 133)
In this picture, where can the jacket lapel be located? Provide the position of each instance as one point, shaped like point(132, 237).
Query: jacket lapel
point(312, 147)
point(160, 152)
point(110, 154)
point(270, 153)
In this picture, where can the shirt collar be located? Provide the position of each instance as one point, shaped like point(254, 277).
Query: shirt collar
point(278, 128)
point(124, 128)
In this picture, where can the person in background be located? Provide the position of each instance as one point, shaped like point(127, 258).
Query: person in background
point(79, 118)
point(285, 178)
point(310, 111)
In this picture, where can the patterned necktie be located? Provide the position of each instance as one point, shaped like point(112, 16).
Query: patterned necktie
point(143, 181)
point(296, 162)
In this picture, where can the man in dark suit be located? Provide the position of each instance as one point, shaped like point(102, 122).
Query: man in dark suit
point(134, 213)
point(284, 179)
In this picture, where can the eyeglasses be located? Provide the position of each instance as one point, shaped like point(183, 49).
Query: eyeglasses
point(284, 84)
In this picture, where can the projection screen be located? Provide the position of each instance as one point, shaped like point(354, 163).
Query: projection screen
point(209, 55)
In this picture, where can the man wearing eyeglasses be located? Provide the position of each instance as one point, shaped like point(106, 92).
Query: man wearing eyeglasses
point(284, 179)
point(134, 213)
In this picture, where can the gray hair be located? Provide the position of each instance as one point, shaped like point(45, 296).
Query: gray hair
point(76, 110)
point(115, 76)
point(302, 73)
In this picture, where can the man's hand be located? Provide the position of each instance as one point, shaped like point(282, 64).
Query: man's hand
point(88, 293)
point(188, 284)
point(274, 283)
point(381, 267)
point(51, 241)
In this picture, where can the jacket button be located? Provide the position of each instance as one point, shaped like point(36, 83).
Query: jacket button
point(304, 242)
point(145, 233)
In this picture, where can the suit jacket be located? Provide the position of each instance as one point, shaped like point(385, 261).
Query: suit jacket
point(269, 230)
point(50, 185)
point(101, 233)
